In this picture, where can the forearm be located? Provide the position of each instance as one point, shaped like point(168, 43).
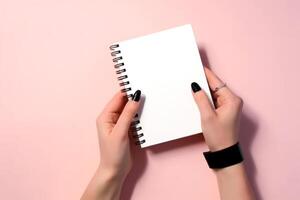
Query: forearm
point(105, 185)
point(233, 183)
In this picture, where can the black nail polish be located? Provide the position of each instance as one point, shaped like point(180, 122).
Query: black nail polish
point(136, 96)
point(195, 87)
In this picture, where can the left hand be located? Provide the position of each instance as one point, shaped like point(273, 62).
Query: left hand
point(113, 125)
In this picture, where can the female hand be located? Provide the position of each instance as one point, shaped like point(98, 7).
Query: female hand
point(113, 125)
point(220, 130)
point(220, 125)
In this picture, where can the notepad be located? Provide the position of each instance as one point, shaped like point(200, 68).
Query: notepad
point(162, 65)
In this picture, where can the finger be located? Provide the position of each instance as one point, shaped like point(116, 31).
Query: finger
point(202, 101)
point(128, 113)
point(112, 110)
point(116, 104)
point(214, 81)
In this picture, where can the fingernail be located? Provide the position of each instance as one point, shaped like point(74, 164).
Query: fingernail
point(136, 96)
point(195, 87)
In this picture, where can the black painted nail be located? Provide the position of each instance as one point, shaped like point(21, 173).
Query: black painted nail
point(136, 96)
point(195, 87)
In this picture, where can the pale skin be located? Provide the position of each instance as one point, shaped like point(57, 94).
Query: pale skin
point(220, 130)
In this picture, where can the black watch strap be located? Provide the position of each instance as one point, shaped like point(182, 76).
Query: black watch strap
point(224, 158)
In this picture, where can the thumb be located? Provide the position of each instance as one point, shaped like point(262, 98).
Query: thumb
point(202, 101)
point(128, 113)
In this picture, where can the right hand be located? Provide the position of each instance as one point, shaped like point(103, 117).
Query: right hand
point(220, 125)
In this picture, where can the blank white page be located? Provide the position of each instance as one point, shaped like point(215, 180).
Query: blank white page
point(163, 65)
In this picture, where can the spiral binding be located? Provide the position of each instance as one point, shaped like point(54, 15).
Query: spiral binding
point(125, 83)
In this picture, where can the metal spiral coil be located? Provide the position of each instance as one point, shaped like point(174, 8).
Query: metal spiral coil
point(120, 71)
point(125, 89)
point(119, 65)
point(124, 82)
point(135, 129)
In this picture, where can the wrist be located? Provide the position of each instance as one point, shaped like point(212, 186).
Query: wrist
point(106, 184)
point(221, 144)
point(110, 174)
point(229, 171)
point(218, 147)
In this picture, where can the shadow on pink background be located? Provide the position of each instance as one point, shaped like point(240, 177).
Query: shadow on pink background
point(56, 75)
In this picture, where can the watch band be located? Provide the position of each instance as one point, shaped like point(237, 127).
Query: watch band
point(224, 158)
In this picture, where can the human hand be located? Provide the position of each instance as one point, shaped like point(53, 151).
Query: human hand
point(113, 125)
point(220, 124)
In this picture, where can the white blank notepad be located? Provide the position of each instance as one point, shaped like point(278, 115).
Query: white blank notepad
point(162, 65)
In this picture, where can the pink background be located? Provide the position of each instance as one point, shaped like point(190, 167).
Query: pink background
point(56, 75)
